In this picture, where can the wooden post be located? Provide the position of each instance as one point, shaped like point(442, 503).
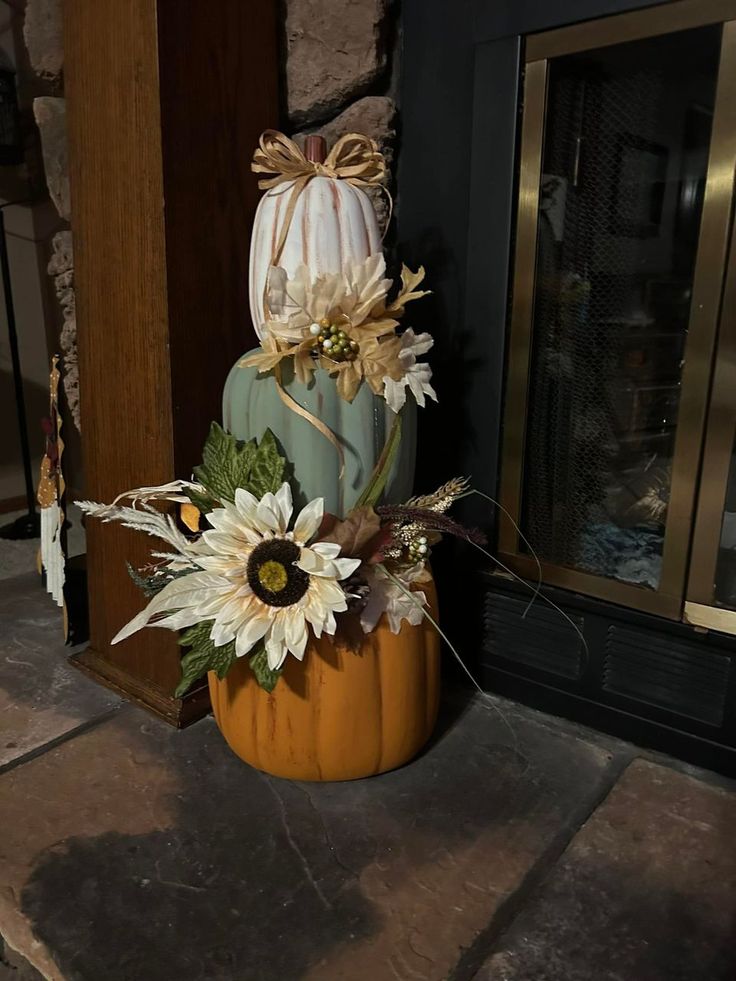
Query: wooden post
point(166, 100)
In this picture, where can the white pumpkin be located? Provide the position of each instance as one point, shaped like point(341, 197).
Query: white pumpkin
point(333, 222)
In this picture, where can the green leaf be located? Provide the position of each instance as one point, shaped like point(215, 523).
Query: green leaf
point(265, 676)
point(226, 464)
point(204, 502)
point(150, 585)
point(268, 467)
point(229, 463)
point(202, 656)
point(374, 488)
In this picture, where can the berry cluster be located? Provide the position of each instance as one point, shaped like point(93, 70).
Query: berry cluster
point(333, 342)
point(418, 549)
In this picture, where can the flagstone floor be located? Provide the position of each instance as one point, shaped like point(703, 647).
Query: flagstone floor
point(516, 848)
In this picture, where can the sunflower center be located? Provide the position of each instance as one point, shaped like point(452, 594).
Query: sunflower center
point(272, 575)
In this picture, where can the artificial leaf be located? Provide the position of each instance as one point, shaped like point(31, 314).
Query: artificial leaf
point(374, 328)
point(150, 585)
point(356, 532)
point(408, 292)
point(203, 656)
point(265, 676)
point(203, 502)
point(229, 463)
point(348, 380)
point(380, 359)
point(374, 487)
point(267, 467)
point(304, 364)
point(265, 360)
point(226, 463)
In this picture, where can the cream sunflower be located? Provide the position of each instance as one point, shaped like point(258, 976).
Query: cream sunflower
point(255, 579)
point(359, 341)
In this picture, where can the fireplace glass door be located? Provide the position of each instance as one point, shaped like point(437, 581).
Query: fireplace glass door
point(620, 255)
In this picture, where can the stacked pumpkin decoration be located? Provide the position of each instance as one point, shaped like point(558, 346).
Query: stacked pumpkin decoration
point(341, 714)
point(321, 416)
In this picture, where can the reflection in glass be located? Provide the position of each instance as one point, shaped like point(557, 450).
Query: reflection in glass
point(725, 585)
point(625, 157)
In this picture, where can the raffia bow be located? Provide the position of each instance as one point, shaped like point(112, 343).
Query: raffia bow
point(354, 158)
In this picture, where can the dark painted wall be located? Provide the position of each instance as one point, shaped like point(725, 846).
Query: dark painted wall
point(457, 169)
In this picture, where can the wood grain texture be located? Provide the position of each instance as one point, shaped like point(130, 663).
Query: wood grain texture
point(218, 94)
point(349, 710)
point(165, 102)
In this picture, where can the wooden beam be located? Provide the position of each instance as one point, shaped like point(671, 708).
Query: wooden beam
point(166, 99)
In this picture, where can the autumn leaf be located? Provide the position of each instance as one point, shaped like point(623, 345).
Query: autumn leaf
point(348, 380)
point(356, 532)
point(408, 292)
point(374, 328)
point(381, 358)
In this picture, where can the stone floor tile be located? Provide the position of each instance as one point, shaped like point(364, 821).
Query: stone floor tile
point(19, 556)
point(41, 697)
point(13, 967)
point(646, 891)
point(137, 852)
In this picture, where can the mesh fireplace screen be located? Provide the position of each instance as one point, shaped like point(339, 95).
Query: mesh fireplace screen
point(625, 156)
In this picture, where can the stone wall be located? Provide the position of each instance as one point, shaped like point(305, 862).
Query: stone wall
point(341, 71)
point(42, 34)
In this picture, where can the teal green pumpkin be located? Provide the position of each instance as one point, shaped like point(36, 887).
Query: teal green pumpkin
point(251, 404)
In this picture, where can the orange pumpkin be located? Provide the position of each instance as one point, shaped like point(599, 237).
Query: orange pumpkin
point(342, 713)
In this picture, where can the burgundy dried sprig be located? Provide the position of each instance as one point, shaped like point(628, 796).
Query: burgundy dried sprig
point(430, 520)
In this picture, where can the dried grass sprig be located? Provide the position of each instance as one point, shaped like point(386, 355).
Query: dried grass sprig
point(443, 498)
point(428, 520)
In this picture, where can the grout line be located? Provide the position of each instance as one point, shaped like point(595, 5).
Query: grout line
point(478, 952)
point(79, 730)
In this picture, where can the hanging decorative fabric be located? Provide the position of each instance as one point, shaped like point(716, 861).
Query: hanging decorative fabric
point(50, 494)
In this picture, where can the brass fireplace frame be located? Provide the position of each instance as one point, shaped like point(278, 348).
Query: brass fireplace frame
point(700, 607)
point(708, 289)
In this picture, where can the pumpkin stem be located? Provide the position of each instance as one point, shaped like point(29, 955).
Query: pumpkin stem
point(315, 148)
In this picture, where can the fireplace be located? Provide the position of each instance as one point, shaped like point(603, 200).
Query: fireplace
point(615, 362)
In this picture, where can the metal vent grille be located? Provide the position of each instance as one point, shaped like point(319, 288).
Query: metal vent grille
point(542, 639)
point(669, 673)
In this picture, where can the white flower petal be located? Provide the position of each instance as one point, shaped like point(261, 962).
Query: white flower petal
point(395, 392)
point(181, 594)
point(296, 634)
point(345, 567)
point(251, 631)
point(223, 564)
point(329, 626)
point(330, 550)
point(324, 595)
point(222, 543)
point(268, 515)
point(276, 651)
point(316, 565)
point(285, 506)
point(395, 599)
point(309, 520)
point(417, 344)
point(221, 633)
point(246, 504)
